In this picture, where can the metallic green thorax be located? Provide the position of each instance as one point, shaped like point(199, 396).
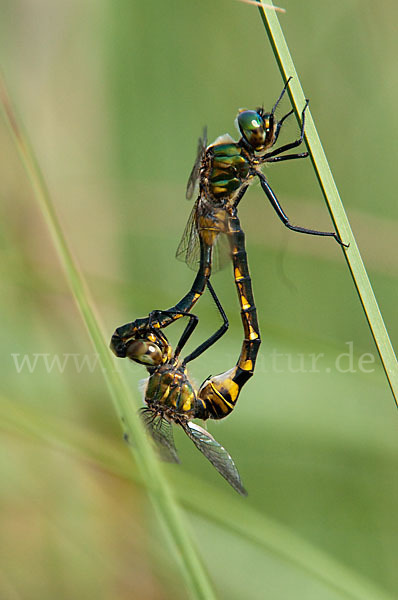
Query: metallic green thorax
point(229, 168)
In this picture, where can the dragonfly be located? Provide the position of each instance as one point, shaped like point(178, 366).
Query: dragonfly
point(223, 171)
point(171, 397)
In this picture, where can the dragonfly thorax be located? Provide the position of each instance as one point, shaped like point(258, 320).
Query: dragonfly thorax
point(170, 389)
point(227, 169)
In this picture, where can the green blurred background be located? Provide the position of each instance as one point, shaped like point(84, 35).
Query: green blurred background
point(114, 96)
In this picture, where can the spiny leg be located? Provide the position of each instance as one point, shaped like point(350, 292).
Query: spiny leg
point(240, 195)
point(294, 144)
point(158, 315)
point(285, 219)
point(281, 96)
point(279, 125)
point(216, 336)
point(287, 157)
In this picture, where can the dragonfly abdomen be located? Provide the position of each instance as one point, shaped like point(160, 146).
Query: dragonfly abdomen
point(236, 239)
point(218, 395)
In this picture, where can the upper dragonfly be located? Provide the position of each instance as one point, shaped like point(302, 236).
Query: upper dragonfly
point(223, 171)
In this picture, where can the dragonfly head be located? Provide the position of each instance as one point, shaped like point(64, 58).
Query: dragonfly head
point(257, 128)
point(145, 353)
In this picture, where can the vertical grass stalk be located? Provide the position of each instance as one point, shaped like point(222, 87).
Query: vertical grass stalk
point(333, 200)
point(162, 499)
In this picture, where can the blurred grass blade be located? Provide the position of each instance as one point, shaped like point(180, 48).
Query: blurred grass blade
point(333, 200)
point(160, 493)
point(255, 528)
point(278, 540)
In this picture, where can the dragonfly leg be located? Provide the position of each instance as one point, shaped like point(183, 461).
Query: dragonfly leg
point(287, 157)
point(281, 95)
point(240, 195)
point(188, 331)
point(284, 218)
point(158, 315)
point(216, 336)
point(279, 125)
point(292, 145)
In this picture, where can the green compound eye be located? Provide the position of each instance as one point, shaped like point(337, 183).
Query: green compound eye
point(249, 120)
point(251, 126)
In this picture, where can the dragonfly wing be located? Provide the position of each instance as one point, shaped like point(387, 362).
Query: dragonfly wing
point(216, 454)
point(221, 253)
point(194, 176)
point(189, 247)
point(161, 432)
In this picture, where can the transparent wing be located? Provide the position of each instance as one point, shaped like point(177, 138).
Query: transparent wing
point(189, 247)
point(216, 454)
point(188, 250)
point(221, 253)
point(161, 432)
point(194, 176)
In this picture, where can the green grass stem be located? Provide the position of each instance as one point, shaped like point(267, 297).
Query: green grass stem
point(256, 529)
point(163, 501)
point(333, 201)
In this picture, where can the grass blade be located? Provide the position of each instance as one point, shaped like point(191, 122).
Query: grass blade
point(159, 491)
point(257, 529)
point(333, 200)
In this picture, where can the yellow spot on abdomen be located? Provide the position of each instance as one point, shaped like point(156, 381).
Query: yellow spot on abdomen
point(247, 365)
point(238, 274)
point(245, 304)
point(253, 335)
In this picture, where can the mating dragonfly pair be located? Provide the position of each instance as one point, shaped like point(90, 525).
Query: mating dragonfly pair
point(223, 171)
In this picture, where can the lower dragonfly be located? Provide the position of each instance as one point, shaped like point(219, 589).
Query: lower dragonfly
point(171, 397)
point(228, 384)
